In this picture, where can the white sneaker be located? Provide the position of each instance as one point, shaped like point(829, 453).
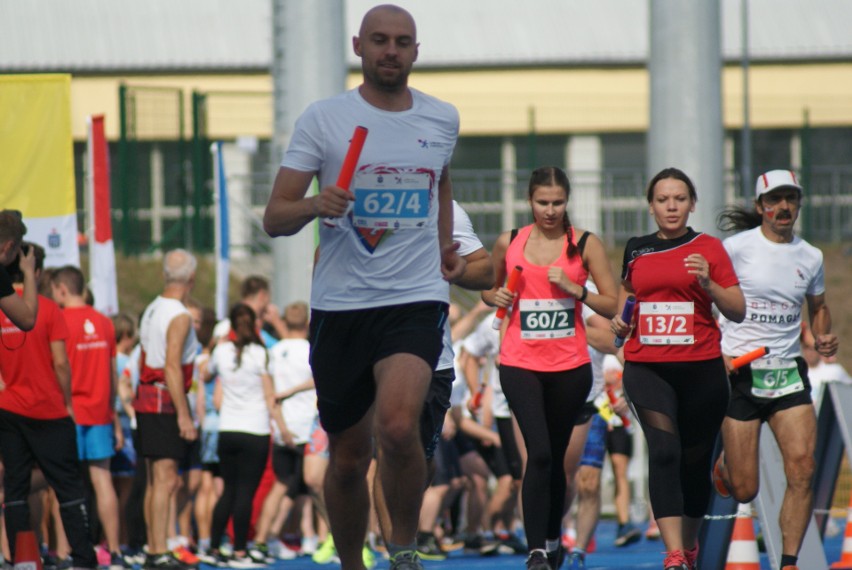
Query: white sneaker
point(244, 562)
point(309, 544)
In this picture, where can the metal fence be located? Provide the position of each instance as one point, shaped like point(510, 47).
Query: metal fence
point(162, 195)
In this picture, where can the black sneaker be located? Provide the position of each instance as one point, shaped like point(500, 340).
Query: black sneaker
point(164, 561)
point(116, 562)
point(428, 548)
point(537, 560)
point(511, 544)
point(406, 560)
point(627, 534)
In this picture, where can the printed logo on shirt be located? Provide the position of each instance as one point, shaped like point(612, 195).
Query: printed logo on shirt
point(802, 283)
point(432, 144)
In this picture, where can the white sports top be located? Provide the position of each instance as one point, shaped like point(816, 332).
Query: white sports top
point(243, 402)
point(468, 243)
point(774, 277)
point(385, 250)
point(153, 328)
point(290, 366)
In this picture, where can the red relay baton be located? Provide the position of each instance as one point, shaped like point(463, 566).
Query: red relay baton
point(350, 161)
point(749, 357)
point(511, 284)
point(625, 422)
point(477, 398)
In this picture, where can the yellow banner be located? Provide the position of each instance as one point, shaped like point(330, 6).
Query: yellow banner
point(36, 149)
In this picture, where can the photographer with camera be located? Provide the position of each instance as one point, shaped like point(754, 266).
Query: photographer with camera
point(13, 258)
point(36, 425)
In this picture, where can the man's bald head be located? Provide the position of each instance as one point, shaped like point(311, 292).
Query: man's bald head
point(378, 13)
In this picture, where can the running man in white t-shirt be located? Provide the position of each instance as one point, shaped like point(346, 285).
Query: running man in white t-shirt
point(380, 291)
point(779, 274)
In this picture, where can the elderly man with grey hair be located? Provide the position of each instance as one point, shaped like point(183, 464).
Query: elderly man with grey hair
point(164, 422)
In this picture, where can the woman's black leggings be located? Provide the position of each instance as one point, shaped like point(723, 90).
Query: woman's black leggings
point(242, 460)
point(680, 406)
point(546, 404)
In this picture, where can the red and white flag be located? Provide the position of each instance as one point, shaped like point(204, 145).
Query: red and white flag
point(101, 250)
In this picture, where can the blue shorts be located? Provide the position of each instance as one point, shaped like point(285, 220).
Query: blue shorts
point(123, 463)
point(95, 442)
point(595, 450)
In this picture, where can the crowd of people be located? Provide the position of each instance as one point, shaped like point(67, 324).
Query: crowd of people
point(394, 420)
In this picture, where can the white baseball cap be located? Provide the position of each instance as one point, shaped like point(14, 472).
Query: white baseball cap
point(774, 179)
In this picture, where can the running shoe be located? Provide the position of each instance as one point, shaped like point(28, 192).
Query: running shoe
point(473, 542)
point(557, 557)
point(326, 553)
point(676, 560)
point(511, 544)
point(186, 557)
point(627, 535)
point(48, 560)
point(451, 544)
point(406, 560)
point(790, 568)
point(164, 561)
point(260, 554)
point(537, 560)
point(103, 556)
point(569, 539)
point(207, 557)
point(576, 561)
point(692, 557)
point(116, 562)
point(428, 547)
point(368, 557)
point(718, 478)
point(244, 561)
point(309, 544)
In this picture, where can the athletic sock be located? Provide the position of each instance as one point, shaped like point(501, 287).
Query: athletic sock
point(787, 560)
point(551, 545)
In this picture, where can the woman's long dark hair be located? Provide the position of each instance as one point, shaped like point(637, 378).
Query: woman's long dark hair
point(555, 176)
point(243, 323)
point(737, 218)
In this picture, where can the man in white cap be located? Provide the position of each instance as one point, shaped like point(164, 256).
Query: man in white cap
point(779, 273)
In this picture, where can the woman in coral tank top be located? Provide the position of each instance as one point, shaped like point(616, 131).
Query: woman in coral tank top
point(545, 368)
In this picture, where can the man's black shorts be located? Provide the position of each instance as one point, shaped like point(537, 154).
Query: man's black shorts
point(745, 406)
point(345, 345)
point(158, 437)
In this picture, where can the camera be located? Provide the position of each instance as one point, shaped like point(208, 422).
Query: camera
point(14, 268)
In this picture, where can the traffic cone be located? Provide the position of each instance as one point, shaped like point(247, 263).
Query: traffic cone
point(742, 553)
point(27, 556)
point(845, 562)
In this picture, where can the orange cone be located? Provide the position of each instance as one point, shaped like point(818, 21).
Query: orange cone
point(742, 553)
point(27, 556)
point(845, 562)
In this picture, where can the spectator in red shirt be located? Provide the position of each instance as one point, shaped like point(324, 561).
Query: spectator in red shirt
point(94, 383)
point(35, 423)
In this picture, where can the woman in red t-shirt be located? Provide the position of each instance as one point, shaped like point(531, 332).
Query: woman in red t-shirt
point(674, 375)
point(545, 368)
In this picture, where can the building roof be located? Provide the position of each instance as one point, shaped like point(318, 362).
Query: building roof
point(126, 36)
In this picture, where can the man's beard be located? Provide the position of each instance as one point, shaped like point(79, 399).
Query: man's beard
point(388, 84)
